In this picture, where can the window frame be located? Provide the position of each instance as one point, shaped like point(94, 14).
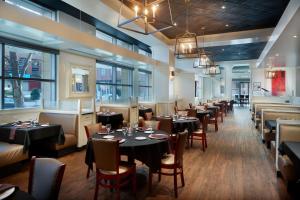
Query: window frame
point(24, 45)
point(114, 77)
point(149, 86)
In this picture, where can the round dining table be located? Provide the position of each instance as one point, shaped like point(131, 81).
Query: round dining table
point(189, 123)
point(20, 195)
point(147, 150)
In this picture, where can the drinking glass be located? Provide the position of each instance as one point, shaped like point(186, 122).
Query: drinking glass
point(125, 131)
point(108, 127)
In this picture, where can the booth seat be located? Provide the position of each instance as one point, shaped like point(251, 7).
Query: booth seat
point(11, 154)
point(259, 107)
point(69, 123)
point(287, 130)
point(118, 109)
point(274, 114)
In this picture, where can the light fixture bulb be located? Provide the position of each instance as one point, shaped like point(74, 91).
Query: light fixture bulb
point(146, 12)
point(136, 9)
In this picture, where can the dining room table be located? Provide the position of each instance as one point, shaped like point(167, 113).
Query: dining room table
point(27, 133)
point(115, 119)
point(182, 123)
point(12, 192)
point(140, 145)
point(271, 124)
point(292, 150)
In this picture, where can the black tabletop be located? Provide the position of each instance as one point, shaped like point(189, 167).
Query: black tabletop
point(20, 195)
point(292, 150)
point(115, 119)
point(191, 124)
point(271, 124)
point(202, 113)
point(27, 135)
point(148, 151)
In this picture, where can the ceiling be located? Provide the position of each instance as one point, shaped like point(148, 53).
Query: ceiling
point(238, 15)
point(247, 51)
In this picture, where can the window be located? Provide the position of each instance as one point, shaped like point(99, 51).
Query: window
point(104, 36)
point(28, 76)
point(114, 83)
point(145, 85)
point(124, 45)
point(33, 8)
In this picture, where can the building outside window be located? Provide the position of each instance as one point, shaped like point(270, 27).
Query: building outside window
point(114, 83)
point(29, 76)
point(145, 85)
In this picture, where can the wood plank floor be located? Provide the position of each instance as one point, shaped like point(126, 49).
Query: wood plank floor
point(236, 165)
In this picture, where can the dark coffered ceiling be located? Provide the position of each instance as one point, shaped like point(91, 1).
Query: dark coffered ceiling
point(239, 15)
point(236, 52)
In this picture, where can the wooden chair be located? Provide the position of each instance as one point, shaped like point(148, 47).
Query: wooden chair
point(166, 124)
point(89, 131)
point(200, 134)
point(221, 112)
point(214, 119)
point(45, 177)
point(191, 112)
point(152, 124)
point(175, 162)
point(111, 173)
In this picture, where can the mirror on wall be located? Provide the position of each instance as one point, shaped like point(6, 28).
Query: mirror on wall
point(80, 80)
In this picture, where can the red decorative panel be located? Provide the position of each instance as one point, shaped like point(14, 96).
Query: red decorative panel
point(278, 83)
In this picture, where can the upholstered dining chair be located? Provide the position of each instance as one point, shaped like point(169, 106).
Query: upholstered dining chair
point(152, 124)
point(45, 177)
point(174, 161)
point(214, 119)
point(191, 112)
point(89, 131)
point(110, 172)
point(200, 134)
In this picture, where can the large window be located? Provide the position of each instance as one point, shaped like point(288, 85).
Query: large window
point(114, 83)
point(28, 75)
point(33, 8)
point(145, 85)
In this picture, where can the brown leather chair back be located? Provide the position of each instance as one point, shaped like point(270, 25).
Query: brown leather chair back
point(289, 133)
point(106, 153)
point(179, 148)
point(165, 124)
point(192, 113)
point(45, 178)
point(152, 124)
point(92, 129)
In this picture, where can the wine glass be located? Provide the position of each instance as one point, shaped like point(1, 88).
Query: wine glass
point(108, 128)
point(125, 131)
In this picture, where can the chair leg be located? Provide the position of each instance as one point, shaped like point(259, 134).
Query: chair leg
point(175, 182)
point(88, 173)
point(118, 189)
point(192, 137)
point(205, 140)
point(150, 180)
point(159, 175)
point(134, 182)
point(203, 143)
point(216, 126)
point(96, 189)
point(182, 177)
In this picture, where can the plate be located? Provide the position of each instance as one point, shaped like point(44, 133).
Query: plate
point(158, 136)
point(140, 138)
point(44, 125)
point(7, 193)
point(108, 137)
point(122, 141)
point(119, 130)
point(149, 131)
point(102, 133)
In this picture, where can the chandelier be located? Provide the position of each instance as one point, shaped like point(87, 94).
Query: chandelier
point(213, 70)
point(186, 45)
point(146, 13)
point(204, 59)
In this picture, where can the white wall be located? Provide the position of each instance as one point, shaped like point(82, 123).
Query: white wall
point(184, 85)
point(161, 84)
point(66, 61)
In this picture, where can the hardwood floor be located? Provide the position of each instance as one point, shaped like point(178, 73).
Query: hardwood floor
point(236, 165)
